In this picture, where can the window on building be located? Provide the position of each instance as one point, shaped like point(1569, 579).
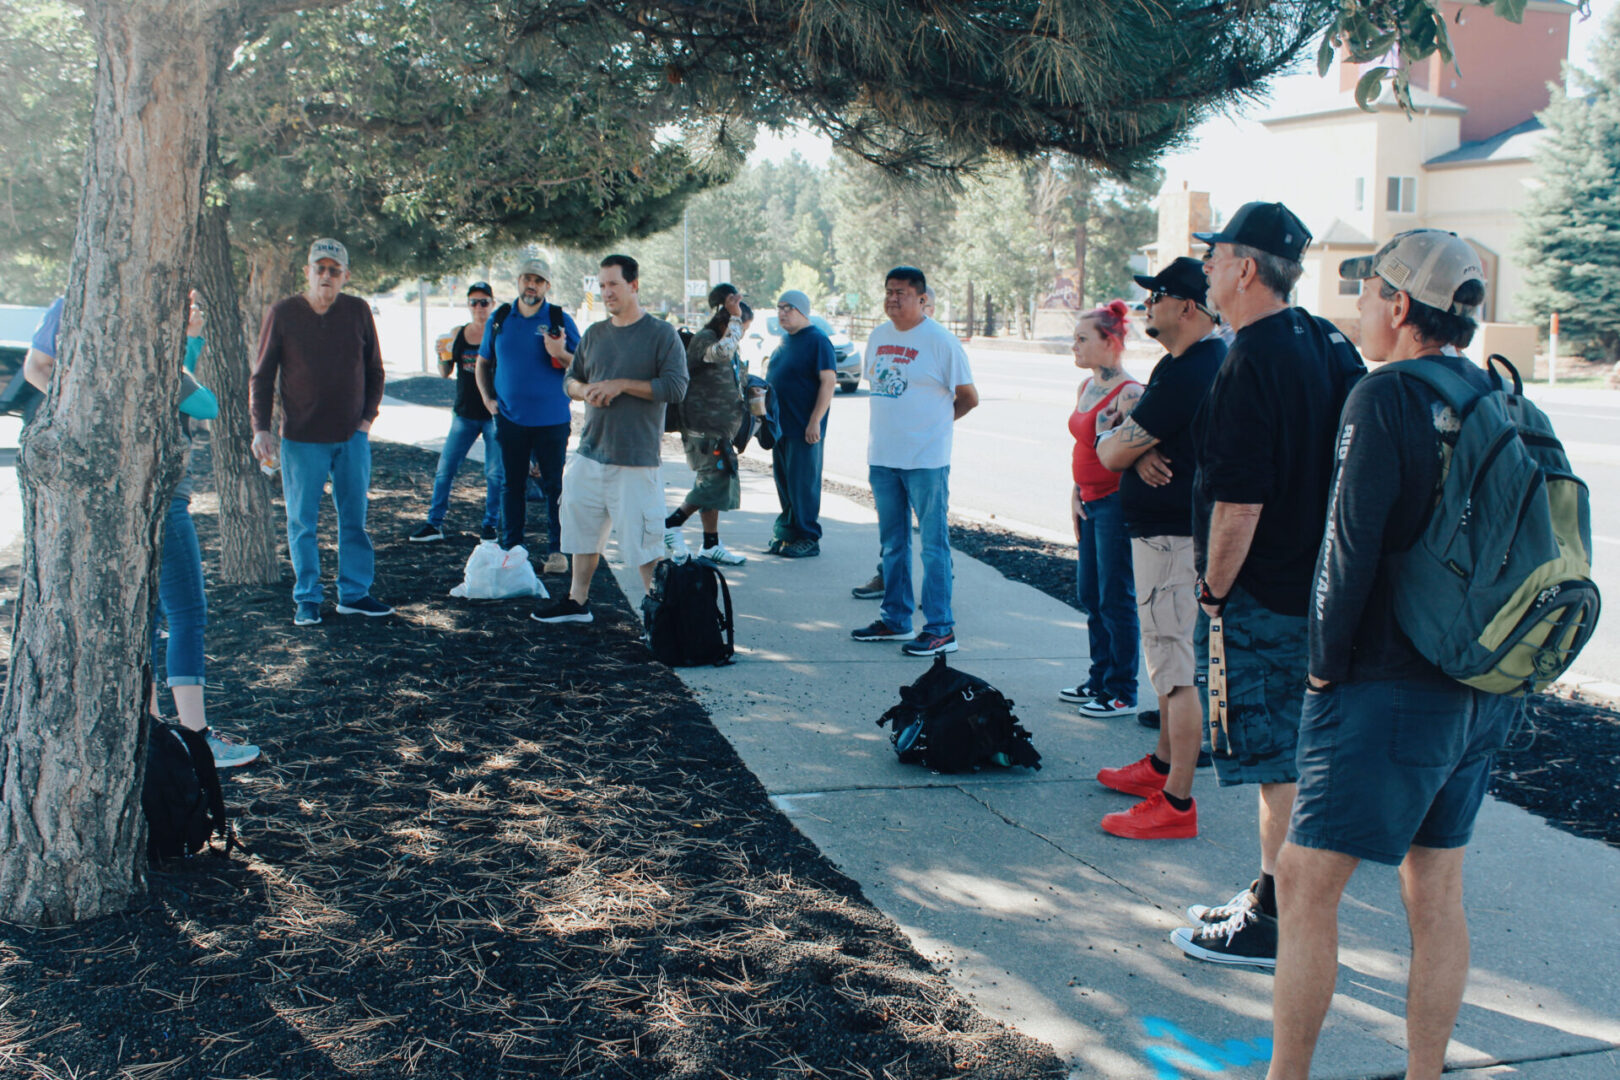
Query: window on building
point(1402, 195)
point(1350, 288)
point(1361, 193)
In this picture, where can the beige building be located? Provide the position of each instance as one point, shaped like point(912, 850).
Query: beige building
point(1461, 161)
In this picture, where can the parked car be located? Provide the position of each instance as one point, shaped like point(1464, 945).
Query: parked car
point(16, 332)
point(761, 341)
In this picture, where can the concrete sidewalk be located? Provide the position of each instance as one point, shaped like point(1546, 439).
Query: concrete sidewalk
point(1049, 924)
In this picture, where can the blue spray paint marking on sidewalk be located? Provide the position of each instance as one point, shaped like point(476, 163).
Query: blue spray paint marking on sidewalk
point(1190, 1052)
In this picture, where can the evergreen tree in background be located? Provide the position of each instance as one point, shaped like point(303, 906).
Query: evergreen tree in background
point(1571, 238)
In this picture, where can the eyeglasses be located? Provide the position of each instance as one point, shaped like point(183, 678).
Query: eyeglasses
point(479, 303)
point(327, 271)
point(785, 307)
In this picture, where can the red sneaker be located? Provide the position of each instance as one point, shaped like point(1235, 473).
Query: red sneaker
point(1153, 819)
point(1137, 778)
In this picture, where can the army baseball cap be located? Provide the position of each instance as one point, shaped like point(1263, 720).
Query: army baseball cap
point(327, 248)
point(1430, 265)
point(1268, 226)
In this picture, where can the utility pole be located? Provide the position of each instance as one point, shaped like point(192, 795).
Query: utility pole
point(686, 264)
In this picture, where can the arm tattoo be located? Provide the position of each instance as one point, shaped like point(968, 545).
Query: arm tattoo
point(1132, 436)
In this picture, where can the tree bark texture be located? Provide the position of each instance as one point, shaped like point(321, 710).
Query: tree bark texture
point(247, 532)
point(271, 276)
point(98, 463)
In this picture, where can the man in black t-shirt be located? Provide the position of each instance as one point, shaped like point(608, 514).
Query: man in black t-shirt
point(469, 421)
point(1265, 459)
point(1394, 757)
point(1154, 450)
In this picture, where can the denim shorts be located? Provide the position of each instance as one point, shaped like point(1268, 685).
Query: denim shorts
point(1266, 657)
point(1388, 765)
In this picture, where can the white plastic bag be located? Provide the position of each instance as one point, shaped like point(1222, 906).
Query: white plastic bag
point(493, 574)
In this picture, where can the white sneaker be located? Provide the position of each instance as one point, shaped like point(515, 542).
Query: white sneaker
point(675, 546)
point(229, 752)
point(722, 555)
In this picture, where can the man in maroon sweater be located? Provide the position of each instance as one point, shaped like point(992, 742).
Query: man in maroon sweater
point(323, 345)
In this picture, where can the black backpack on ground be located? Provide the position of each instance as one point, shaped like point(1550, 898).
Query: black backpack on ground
point(955, 722)
point(688, 615)
point(182, 798)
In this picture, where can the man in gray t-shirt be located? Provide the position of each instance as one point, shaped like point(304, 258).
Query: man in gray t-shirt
point(625, 370)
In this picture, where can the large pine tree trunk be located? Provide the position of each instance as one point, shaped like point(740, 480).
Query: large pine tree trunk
point(97, 466)
point(247, 532)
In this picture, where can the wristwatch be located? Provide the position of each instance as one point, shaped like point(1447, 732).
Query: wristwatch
point(1209, 599)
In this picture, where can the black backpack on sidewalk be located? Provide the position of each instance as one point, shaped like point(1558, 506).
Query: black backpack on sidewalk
point(688, 615)
point(183, 801)
point(955, 722)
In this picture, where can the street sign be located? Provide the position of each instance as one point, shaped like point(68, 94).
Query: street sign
point(590, 284)
point(719, 271)
point(697, 287)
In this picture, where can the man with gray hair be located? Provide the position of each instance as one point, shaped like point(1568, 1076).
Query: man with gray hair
point(803, 373)
point(1264, 444)
point(322, 345)
point(1394, 756)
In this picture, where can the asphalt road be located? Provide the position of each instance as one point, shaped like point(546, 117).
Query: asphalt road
point(1011, 460)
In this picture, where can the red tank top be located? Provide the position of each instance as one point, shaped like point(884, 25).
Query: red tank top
point(1092, 477)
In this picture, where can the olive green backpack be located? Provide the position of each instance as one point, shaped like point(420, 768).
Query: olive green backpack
point(1498, 590)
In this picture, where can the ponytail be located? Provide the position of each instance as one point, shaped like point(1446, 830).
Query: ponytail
point(1111, 319)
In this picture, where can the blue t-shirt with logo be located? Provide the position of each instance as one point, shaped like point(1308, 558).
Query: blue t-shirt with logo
point(528, 388)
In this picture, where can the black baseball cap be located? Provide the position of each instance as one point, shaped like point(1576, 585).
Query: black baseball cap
point(1183, 279)
point(1270, 227)
point(480, 286)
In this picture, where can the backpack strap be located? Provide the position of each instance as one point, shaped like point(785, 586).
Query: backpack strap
point(1455, 390)
point(731, 629)
point(202, 763)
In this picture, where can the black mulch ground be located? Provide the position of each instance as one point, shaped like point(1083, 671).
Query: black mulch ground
point(1563, 763)
point(481, 847)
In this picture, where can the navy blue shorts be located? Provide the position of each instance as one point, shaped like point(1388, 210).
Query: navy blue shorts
point(1266, 657)
point(1385, 766)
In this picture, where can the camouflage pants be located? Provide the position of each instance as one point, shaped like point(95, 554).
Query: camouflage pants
point(1266, 662)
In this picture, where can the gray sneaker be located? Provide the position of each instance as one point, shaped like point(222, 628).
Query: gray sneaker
point(230, 752)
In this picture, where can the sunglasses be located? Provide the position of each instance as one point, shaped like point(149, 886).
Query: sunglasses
point(327, 271)
point(479, 303)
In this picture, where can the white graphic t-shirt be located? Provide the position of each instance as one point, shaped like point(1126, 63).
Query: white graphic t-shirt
point(914, 376)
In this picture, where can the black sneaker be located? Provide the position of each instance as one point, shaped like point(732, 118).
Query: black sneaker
point(1076, 695)
point(930, 645)
point(1248, 938)
point(563, 611)
point(427, 534)
point(488, 533)
point(800, 549)
point(1148, 718)
point(365, 606)
point(878, 630)
point(1104, 707)
point(1243, 901)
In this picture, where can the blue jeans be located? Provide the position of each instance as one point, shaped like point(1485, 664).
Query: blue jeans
point(547, 446)
point(1107, 588)
point(304, 469)
point(796, 465)
point(897, 493)
point(182, 601)
point(463, 433)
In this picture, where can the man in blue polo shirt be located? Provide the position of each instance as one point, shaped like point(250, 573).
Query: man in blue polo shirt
point(527, 347)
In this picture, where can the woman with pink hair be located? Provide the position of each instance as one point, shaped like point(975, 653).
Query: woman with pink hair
point(1103, 578)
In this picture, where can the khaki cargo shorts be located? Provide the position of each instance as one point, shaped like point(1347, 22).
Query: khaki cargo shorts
point(1167, 608)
